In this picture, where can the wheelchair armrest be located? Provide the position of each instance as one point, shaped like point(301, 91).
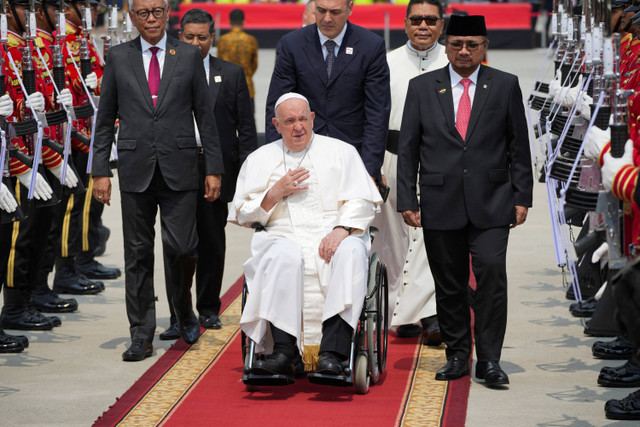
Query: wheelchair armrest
point(257, 226)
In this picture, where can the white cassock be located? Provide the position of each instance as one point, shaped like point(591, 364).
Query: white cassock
point(401, 248)
point(289, 284)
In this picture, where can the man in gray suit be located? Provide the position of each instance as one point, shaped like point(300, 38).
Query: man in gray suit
point(156, 85)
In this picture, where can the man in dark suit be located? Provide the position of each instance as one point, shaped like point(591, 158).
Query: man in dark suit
point(156, 85)
point(237, 130)
point(342, 70)
point(464, 127)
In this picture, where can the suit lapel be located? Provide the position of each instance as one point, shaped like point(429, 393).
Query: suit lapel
point(135, 56)
point(483, 88)
point(343, 59)
point(214, 70)
point(170, 60)
point(314, 53)
point(445, 96)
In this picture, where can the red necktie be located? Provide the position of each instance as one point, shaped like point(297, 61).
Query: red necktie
point(154, 74)
point(464, 109)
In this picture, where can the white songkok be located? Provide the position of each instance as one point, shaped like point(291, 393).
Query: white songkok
point(288, 96)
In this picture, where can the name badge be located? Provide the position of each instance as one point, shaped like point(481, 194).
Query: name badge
point(349, 51)
point(217, 79)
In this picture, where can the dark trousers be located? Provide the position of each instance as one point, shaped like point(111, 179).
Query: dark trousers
point(211, 218)
point(179, 240)
point(448, 254)
point(336, 338)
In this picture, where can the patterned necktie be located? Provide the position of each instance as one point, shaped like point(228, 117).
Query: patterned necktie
point(331, 55)
point(464, 109)
point(154, 74)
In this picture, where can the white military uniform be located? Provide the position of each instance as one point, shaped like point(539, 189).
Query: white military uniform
point(288, 282)
point(401, 248)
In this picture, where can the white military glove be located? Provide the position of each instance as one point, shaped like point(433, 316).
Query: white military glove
point(71, 178)
point(585, 106)
point(555, 86)
point(612, 164)
point(6, 106)
point(599, 253)
point(42, 190)
point(65, 98)
point(8, 203)
point(37, 101)
point(571, 94)
point(595, 141)
point(91, 80)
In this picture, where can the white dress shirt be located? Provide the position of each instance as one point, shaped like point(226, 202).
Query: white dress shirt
point(457, 89)
point(338, 41)
point(147, 55)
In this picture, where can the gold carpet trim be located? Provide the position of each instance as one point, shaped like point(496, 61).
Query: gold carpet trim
point(177, 381)
point(426, 400)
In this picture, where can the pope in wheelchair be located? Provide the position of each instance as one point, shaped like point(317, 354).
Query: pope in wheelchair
point(306, 280)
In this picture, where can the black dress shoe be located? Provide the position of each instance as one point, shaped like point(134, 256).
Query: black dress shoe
point(173, 333)
point(408, 331)
point(75, 288)
point(95, 270)
point(55, 321)
point(627, 375)
point(210, 322)
point(49, 302)
point(85, 281)
point(618, 349)
point(140, 349)
point(431, 328)
point(491, 373)
point(26, 321)
point(627, 408)
point(452, 370)
point(9, 343)
point(583, 308)
point(329, 364)
point(190, 331)
point(275, 364)
point(298, 364)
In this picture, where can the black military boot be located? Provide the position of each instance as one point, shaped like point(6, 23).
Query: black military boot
point(17, 315)
point(627, 408)
point(619, 349)
point(9, 343)
point(67, 280)
point(87, 265)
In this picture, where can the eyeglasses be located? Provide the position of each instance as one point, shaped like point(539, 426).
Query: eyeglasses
point(471, 46)
point(143, 14)
point(417, 20)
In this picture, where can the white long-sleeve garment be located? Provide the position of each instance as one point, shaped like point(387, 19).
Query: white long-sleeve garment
point(289, 284)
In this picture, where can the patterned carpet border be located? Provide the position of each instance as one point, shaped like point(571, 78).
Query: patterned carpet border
point(148, 381)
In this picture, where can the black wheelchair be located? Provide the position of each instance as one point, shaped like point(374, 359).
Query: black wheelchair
point(368, 358)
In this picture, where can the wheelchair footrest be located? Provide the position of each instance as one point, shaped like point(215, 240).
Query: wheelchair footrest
point(333, 380)
point(273, 380)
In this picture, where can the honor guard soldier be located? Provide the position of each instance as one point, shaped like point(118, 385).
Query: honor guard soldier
point(28, 237)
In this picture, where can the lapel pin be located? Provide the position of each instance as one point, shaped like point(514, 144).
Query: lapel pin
point(349, 51)
point(442, 91)
point(484, 86)
point(217, 79)
point(172, 52)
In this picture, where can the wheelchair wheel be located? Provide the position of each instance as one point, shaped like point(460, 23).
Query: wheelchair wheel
point(243, 337)
point(374, 316)
point(382, 328)
point(361, 380)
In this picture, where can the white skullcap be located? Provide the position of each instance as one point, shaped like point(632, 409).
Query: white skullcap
point(287, 96)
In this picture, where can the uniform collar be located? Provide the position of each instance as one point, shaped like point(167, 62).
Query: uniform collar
point(421, 53)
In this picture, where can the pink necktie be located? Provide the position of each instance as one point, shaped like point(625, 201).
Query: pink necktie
point(154, 74)
point(464, 109)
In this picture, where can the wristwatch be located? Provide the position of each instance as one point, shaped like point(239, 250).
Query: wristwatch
point(342, 226)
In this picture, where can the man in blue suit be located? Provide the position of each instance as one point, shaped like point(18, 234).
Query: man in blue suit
point(342, 70)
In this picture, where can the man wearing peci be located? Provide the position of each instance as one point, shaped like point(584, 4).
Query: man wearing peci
point(342, 70)
point(411, 288)
point(237, 130)
point(464, 128)
point(156, 85)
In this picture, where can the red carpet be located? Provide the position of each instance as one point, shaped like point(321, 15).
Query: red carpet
point(201, 385)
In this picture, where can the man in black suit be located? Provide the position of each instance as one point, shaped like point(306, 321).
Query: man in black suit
point(237, 130)
point(156, 85)
point(342, 70)
point(464, 127)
